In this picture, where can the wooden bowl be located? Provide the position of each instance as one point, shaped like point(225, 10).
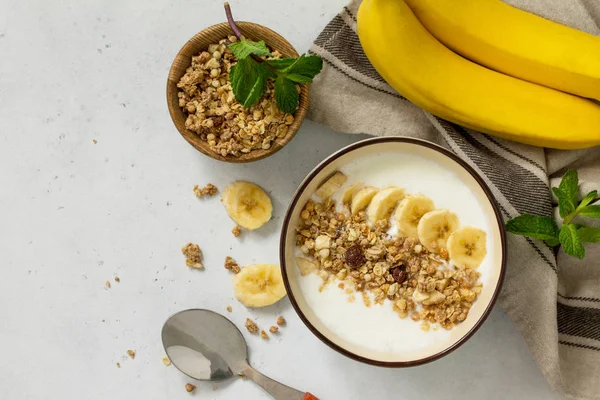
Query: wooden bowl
point(200, 43)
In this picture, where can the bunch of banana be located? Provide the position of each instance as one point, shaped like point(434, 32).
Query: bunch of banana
point(515, 42)
point(442, 82)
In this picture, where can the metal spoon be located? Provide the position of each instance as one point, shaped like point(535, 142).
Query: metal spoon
point(207, 346)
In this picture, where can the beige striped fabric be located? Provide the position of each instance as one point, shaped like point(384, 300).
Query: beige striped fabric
point(554, 299)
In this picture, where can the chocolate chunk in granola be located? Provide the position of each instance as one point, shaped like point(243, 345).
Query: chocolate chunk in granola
point(399, 273)
point(355, 256)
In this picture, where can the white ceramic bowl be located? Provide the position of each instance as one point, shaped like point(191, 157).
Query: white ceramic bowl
point(418, 347)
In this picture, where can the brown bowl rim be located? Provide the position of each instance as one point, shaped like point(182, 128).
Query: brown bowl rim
point(294, 202)
point(278, 143)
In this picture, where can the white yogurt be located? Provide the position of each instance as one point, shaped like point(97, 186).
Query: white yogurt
point(378, 327)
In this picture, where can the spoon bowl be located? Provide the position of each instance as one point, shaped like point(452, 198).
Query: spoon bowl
point(207, 346)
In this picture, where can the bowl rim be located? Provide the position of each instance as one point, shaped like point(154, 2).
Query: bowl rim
point(277, 145)
point(352, 147)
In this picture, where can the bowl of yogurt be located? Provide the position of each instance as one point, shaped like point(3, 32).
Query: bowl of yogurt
point(393, 251)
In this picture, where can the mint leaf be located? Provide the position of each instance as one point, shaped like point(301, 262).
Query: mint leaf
point(591, 196)
point(588, 234)
point(590, 211)
point(286, 95)
point(565, 206)
point(552, 242)
point(534, 226)
point(248, 81)
point(300, 70)
point(244, 48)
point(567, 193)
point(570, 241)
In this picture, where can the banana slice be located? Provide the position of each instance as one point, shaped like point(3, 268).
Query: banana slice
point(383, 203)
point(362, 198)
point(259, 285)
point(331, 185)
point(409, 213)
point(435, 227)
point(247, 204)
point(348, 193)
point(306, 266)
point(466, 246)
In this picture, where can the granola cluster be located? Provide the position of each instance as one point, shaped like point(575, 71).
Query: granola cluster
point(208, 190)
point(365, 259)
point(213, 113)
point(193, 255)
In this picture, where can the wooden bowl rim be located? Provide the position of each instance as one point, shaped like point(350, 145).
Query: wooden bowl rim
point(175, 111)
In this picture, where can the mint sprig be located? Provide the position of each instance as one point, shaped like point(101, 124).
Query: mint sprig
point(250, 75)
point(570, 236)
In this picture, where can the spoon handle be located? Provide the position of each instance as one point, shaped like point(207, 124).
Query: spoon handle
point(279, 391)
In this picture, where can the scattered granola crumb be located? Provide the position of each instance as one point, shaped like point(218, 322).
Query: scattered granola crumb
point(117, 279)
point(107, 284)
point(166, 361)
point(281, 321)
point(193, 255)
point(118, 365)
point(264, 335)
point(425, 326)
point(341, 285)
point(131, 354)
point(237, 230)
point(95, 141)
point(251, 326)
point(229, 308)
point(232, 265)
point(273, 329)
point(209, 190)
point(351, 298)
point(189, 387)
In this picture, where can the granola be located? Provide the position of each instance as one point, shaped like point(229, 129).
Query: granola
point(419, 283)
point(237, 231)
point(281, 321)
point(273, 329)
point(232, 265)
point(213, 113)
point(193, 255)
point(189, 387)
point(208, 190)
point(264, 335)
point(251, 326)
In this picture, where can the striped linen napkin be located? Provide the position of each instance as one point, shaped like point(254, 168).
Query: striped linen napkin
point(554, 300)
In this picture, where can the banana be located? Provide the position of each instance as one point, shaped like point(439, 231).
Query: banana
point(247, 204)
point(362, 198)
point(435, 227)
point(438, 80)
point(306, 266)
point(331, 185)
point(350, 191)
point(409, 213)
point(466, 246)
point(383, 203)
point(259, 285)
point(509, 40)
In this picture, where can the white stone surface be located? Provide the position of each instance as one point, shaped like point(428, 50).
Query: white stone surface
point(74, 214)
